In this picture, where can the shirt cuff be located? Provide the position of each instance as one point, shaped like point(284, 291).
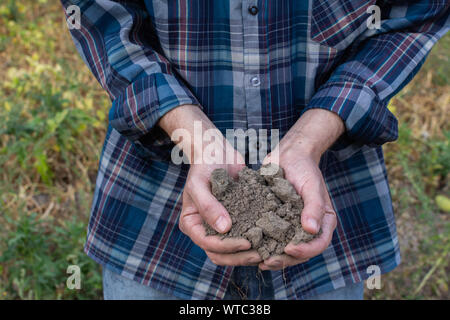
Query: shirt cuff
point(368, 122)
point(135, 113)
point(137, 110)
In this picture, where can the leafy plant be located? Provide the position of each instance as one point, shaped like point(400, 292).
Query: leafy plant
point(36, 254)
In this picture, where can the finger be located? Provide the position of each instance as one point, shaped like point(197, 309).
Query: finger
point(328, 205)
point(189, 216)
point(211, 210)
point(194, 229)
point(280, 262)
point(215, 243)
point(244, 258)
point(191, 224)
point(317, 246)
point(272, 157)
point(187, 209)
point(313, 195)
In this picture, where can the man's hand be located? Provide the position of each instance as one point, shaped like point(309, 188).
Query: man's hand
point(198, 205)
point(198, 202)
point(299, 155)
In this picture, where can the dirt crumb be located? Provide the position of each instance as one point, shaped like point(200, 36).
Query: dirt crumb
point(264, 208)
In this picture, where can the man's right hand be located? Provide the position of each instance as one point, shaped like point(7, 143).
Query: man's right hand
point(199, 204)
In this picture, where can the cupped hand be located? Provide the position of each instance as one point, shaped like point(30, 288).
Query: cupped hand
point(199, 205)
point(303, 172)
point(299, 153)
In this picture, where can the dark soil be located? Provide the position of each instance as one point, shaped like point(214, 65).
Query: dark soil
point(264, 209)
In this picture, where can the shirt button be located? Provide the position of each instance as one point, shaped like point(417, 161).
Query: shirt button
point(255, 81)
point(253, 10)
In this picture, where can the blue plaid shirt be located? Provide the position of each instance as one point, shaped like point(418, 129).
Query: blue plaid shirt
point(247, 67)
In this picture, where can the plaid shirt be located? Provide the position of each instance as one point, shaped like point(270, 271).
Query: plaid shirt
point(247, 67)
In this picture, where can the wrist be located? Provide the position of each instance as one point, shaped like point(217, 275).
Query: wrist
point(312, 135)
point(185, 126)
point(299, 148)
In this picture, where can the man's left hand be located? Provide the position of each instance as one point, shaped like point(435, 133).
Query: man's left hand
point(299, 154)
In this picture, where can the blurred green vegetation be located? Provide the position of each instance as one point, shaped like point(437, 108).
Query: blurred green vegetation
point(419, 174)
point(52, 124)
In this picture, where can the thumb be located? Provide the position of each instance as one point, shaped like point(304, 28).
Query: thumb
point(314, 204)
point(210, 209)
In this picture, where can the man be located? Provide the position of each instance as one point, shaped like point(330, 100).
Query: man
point(321, 72)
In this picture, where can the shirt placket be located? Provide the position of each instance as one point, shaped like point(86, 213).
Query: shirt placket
point(253, 80)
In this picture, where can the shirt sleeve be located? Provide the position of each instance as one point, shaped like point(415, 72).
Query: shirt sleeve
point(376, 68)
point(117, 41)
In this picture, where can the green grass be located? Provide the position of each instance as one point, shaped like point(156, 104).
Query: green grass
point(37, 254)
point(419, 170)
point(52, 124)
point(424, 230)
point(52, 131)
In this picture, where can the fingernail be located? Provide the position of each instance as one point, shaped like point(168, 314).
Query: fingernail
point(328, 209)
point(313, 224)
point(255, 259)
point(244, 247)
point(221, 224)
point(276, 263)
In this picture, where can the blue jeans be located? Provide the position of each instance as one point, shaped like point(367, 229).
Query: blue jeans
point(246, 283)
